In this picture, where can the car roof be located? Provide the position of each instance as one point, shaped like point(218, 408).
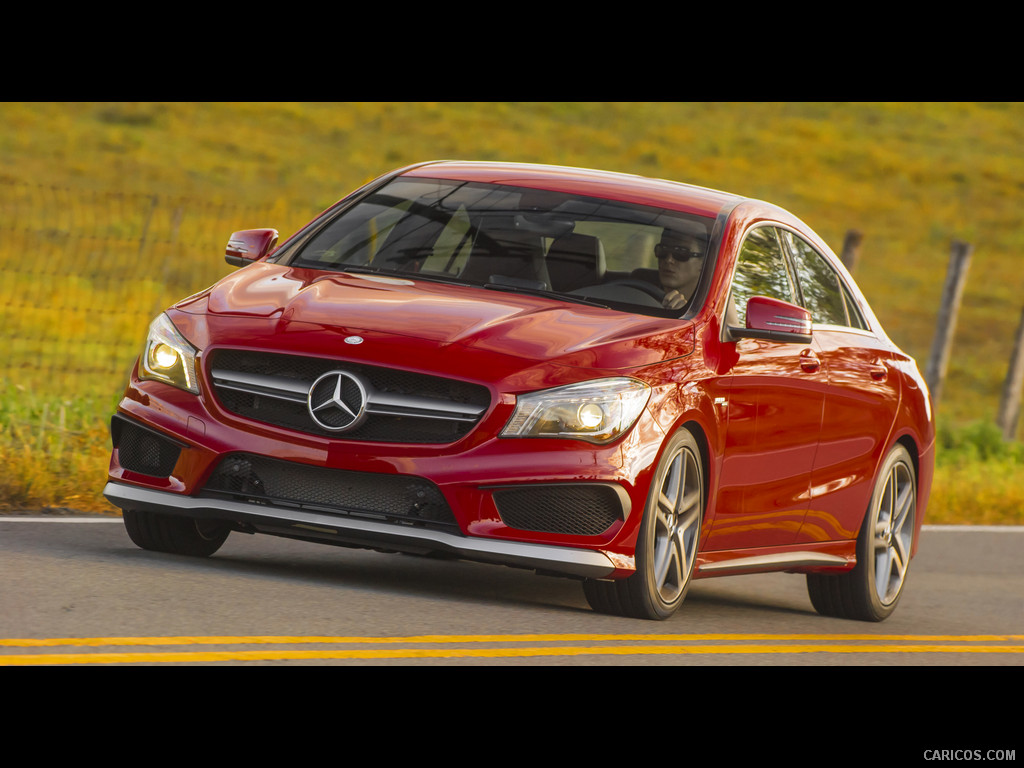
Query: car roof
point(612, 185)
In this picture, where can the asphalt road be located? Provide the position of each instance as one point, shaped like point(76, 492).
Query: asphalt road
point(76, 591)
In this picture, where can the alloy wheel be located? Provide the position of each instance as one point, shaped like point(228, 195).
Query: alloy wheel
point(894, 531)
point(677, 525)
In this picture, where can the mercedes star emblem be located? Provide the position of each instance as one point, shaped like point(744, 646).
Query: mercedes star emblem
point(337, 401)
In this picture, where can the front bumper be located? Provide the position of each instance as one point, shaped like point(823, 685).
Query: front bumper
point(315, 526)
point(524, 503)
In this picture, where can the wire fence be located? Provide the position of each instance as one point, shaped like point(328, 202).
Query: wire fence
point(83, 272)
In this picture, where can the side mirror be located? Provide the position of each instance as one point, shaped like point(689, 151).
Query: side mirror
point(250, 245)
point(776, 321)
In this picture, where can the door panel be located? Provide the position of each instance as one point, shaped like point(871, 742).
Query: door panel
point(775, 402)
point(860, 409)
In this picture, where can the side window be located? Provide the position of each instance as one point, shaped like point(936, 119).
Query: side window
point(824, 294)
point(819, 284)
point(761, 270)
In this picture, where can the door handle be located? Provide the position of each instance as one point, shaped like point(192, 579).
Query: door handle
point(878, 371)
point(809, 361)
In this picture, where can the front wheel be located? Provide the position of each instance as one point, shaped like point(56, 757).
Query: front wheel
point(667, 544)
point(176, 535)
point(870, 591)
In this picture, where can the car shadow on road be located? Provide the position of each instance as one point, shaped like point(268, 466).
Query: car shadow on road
point(421, 577)
point(398, 575)
point(771, 593)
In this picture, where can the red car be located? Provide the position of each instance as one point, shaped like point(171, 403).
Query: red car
point(628, 381)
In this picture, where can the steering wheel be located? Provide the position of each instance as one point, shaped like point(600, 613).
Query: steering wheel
point(656, 292)
point(649, 294)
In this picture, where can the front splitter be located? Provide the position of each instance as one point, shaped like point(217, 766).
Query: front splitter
point(317, 526)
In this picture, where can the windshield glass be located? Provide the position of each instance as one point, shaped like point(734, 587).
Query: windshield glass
point(623, 256)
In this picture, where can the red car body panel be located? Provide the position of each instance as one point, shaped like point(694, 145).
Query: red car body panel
point(793, 432)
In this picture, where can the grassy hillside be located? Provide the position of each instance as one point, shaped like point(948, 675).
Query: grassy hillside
point(111, 210)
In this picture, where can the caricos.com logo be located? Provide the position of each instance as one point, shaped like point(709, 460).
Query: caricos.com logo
point(970, 754)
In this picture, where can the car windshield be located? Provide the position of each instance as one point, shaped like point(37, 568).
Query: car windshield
point(518, 239)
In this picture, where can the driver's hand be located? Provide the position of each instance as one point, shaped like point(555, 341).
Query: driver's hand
point(673, 300)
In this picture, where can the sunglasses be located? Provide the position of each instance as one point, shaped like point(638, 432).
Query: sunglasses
point(677, 252)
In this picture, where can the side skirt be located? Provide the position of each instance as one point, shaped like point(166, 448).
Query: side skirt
point(830, 557)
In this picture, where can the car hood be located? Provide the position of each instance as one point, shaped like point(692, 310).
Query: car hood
point(437, 315)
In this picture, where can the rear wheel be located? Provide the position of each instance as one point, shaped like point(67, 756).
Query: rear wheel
point(176, 535)
point(667, 543)
point(871, 590)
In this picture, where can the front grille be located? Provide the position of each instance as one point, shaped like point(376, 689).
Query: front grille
point(143, 450)
point(390, 498)
point(575, 509)
point(401, 406)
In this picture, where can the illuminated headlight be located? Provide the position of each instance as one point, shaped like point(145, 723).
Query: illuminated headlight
point(596, 411)
point(168, 357)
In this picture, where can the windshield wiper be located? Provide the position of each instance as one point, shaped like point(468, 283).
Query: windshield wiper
point(433, 277)
point(528, 289)
point(509, 285)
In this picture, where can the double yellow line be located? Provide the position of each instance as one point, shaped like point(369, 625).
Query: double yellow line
point(315, 648)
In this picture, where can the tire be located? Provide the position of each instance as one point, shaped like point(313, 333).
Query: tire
point(871, 590)
point(667, 542)
point(175, 535)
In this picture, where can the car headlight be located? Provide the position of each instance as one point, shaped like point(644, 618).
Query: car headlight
point(596, 411)
point(167, 357)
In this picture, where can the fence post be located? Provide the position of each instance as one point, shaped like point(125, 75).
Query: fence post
point(851, 249)
point(952, 292)
point(145, 225)
point(1009, 404)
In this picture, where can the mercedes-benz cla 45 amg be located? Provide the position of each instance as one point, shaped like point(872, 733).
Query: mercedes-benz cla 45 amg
point(627, 381)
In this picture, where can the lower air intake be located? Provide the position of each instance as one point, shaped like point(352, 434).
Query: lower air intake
point(142, 450)
point(392, 498)
point(575, 509)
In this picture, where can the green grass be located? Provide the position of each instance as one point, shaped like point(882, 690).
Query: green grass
point(53, 451)
point(979, 477)
point(112, 210)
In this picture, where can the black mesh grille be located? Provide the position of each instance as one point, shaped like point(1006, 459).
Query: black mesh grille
point(377, 427)
point(143, 451)
point(580, 510)
point(393, 498)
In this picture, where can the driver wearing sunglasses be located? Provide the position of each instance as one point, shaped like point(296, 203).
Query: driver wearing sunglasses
point(680, 260)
